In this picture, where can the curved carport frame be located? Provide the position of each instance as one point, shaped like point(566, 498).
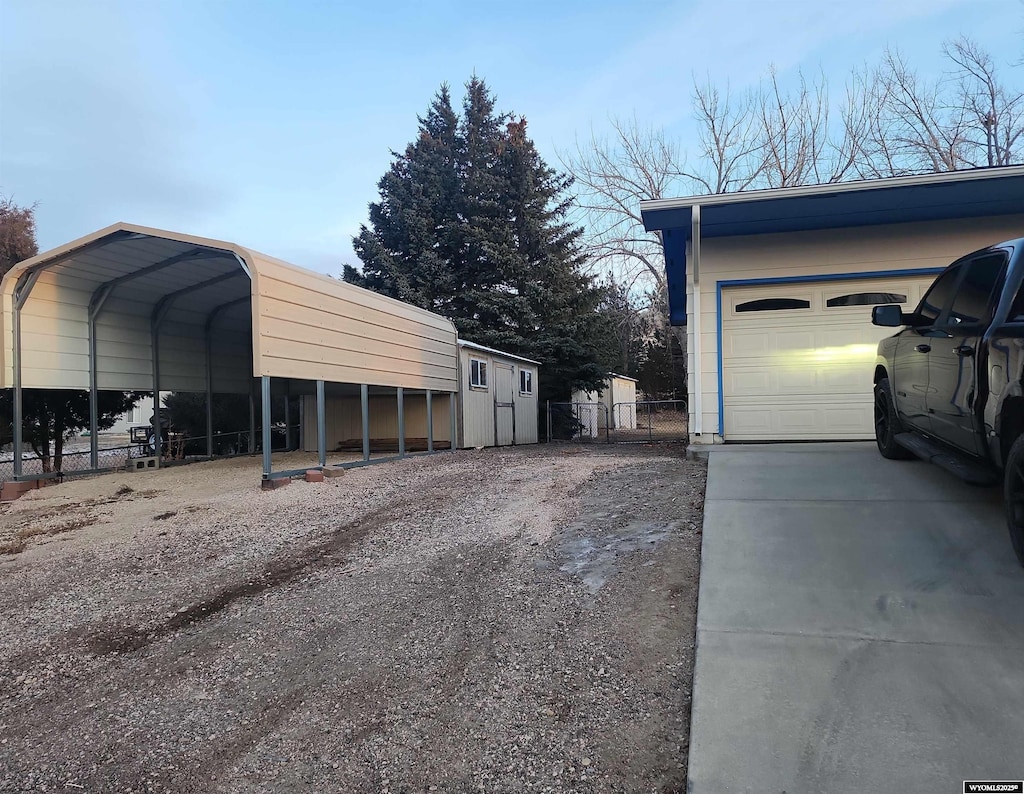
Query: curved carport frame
point(135, 308)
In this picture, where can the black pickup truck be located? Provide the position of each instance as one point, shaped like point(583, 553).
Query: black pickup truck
point(949, 387)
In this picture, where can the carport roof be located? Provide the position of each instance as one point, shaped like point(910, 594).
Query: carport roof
point(304, 325)
point(928, 197)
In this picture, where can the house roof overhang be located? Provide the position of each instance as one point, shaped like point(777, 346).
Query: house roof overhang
point(982, 192)
point(929, 197)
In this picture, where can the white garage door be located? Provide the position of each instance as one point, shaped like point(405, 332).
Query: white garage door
point(797, 359)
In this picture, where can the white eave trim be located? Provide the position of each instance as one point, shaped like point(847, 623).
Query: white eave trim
point(493, 352)
point(832, 188)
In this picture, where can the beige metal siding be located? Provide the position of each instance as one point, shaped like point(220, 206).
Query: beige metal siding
point(54, 338)
point(476, 406)
point(303, 325)
point(527, 431)
point(314, 327)
point(345, 423)
point(835, 251)
point(622, 403)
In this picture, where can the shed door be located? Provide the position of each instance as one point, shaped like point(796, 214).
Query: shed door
point(798, 359)
point(504, 405)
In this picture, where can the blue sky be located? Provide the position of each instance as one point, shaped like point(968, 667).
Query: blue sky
point(269, 123)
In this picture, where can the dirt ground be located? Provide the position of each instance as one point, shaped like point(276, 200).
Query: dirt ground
point(495, 620)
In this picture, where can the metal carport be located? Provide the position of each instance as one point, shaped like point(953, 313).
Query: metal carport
point(132, 308)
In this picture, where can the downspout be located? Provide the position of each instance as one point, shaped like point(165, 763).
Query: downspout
point(695, 320)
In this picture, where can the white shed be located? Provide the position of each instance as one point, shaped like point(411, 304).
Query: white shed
point(498, 403)
point(617, 395)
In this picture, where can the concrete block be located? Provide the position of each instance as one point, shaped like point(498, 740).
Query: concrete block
point(333, 472)
point(143, 464)
point(273, 485)
point(12, 490)
point(314, 475)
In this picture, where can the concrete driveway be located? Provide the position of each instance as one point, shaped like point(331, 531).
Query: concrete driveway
point(860, 627)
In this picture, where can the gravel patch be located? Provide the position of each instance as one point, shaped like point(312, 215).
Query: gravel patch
point(494, 620)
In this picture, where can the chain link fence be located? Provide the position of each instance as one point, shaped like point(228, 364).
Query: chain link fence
point(646, 421)
point(580, 422)
point(79, 461)
point(650, 421)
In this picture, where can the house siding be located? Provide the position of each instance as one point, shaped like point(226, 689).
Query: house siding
point(910, 246)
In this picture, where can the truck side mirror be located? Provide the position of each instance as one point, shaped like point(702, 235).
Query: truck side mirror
point(889, 316)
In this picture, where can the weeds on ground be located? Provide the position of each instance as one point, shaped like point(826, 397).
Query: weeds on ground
point(19, 542)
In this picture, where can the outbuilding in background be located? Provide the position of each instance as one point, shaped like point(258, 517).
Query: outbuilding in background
point(498, 404)
point(613, 405)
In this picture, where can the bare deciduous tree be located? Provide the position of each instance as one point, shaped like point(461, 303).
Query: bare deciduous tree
point(889, 122)
point(731, 148)
point(919, 125)
point(995, 113)
point(613, 175)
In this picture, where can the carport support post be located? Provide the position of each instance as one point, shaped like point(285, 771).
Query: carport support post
point(364, 399)
point(455, 422)
point(430, 422)
point(265, 384)
point(252, 421)
point(158, 444)
point(321, 423)
point(94, 397)
point(400, 393)
point(20, 296)
point(209, 393)
point(288, 422)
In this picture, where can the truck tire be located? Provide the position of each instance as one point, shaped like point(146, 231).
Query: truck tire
point(887, 424)
point(1013, 496)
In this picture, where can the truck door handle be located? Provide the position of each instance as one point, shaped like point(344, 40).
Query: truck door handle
point(964, 350)
point(923, 348)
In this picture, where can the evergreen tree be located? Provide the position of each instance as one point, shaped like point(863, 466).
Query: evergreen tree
point(471, 223)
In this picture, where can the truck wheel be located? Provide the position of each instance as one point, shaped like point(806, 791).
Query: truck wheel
point(887, 424)
point(1013, 494)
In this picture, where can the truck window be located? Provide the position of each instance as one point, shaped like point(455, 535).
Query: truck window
point(937, 298)
point(971, 303)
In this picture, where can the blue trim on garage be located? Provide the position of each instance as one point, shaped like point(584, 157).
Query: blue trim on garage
point(757, 282)
point(674, 243)
point(995, 191)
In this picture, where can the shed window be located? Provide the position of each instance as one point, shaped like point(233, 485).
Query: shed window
point(477, 373)
point(525, 381)
point(773, 305)
point(866, 299)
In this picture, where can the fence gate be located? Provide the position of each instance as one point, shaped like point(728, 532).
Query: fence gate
point(645, 422)
point(581, 422)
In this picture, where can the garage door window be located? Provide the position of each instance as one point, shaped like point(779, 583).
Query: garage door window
point(773, 305)
point(866, 299)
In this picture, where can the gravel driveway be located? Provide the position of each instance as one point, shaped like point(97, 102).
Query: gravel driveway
point(497, 620)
